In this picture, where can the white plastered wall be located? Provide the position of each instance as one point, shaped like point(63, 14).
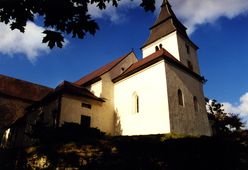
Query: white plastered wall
point(96, 88)
point(169, 42)
point(150, 85)
point(71, 111)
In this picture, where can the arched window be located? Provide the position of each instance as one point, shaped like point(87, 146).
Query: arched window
point(180, 97)
point(156, 48)
point(136, 105)
point(196, 106)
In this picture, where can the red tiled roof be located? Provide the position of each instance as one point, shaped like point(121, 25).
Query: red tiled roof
point(96, 74)
point(22, 89)
point(151, 59)
point(66, 88)
point(74, 89)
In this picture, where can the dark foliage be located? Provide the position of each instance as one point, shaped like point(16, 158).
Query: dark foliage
point(69, 132)
point(7, 158)
point(223, 123)
point(149, 152)
point(60, 17)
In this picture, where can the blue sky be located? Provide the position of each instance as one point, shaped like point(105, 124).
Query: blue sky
point(218, 27)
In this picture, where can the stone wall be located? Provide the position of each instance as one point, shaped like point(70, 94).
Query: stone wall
point(184, 119)
point(185, 56)
point(11, 109)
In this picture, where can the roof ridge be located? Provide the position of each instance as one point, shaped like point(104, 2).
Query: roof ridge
point(122, 58)
point(151, 59)
point(102, 70)
point(65, 82)
point(19, 88)
point(25, 81)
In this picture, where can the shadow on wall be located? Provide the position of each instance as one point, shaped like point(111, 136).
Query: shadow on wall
point(9, 113)
point(117, 124)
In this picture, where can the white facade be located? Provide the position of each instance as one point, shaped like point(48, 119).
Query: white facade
point(153, 113)
point(96, 88)
point(169, 42)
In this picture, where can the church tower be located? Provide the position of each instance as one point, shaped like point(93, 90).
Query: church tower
point(169, 33)
point(184, 84)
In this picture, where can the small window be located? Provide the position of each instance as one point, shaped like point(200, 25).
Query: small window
point(187, 48)
point(85, 105)
point(190, 66)
point(160, 46)
point(196, 106)
point(180, 97)
point(85, 121)
point(156, 48)
point(122, 69)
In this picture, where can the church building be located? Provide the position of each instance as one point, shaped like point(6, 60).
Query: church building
point(161, 93)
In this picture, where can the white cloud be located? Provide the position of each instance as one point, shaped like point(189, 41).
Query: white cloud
point(30, 43)
point(192, 12)
point(240, 108)
point(112, 13)
point(197, 12)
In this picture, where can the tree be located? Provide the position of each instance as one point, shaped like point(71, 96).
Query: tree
point(60, 17)
point(222, 122)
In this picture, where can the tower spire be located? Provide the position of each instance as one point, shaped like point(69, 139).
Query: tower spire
point(165, 24)
point(165, 2)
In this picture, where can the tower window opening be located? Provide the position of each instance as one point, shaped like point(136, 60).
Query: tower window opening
point(160, 46)
point(180, 97)
point(190, 66)
point(187, 48)
point(196, 106)
point(156, 48)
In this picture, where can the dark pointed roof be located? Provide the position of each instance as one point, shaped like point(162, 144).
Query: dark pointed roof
point(165, 24)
